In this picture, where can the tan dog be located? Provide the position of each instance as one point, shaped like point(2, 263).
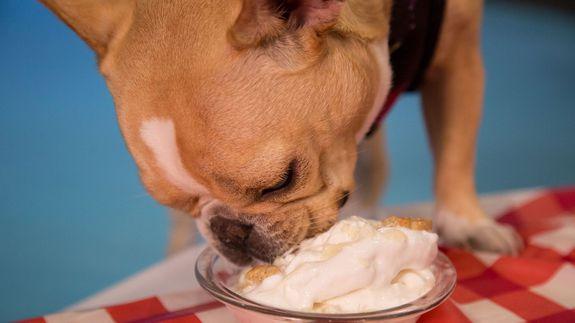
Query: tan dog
point(248, 118)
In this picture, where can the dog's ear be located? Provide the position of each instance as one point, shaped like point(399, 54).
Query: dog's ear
point(95, 21)
point(262, 20)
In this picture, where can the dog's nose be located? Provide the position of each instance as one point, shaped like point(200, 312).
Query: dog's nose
point(232, 233)
point(343, 199)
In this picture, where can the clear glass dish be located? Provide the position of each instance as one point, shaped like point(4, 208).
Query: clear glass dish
point(216, 275)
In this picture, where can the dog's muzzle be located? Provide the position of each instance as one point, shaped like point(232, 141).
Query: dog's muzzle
point(235, 238)
point(231, 239)
point(242, 237)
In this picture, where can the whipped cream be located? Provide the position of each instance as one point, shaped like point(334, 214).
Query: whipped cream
point(356, 266)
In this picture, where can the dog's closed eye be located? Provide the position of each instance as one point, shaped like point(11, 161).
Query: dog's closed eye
point(286, 180)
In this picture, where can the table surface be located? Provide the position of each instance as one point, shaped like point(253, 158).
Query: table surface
point(176, 274)
point(536, 285)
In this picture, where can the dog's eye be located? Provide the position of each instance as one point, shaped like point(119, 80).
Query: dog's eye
point(286, 179)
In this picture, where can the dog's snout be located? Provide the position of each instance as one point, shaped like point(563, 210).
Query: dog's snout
point(343, 199)
point(233, 233)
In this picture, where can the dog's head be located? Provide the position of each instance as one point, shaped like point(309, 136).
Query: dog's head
point(245, 114)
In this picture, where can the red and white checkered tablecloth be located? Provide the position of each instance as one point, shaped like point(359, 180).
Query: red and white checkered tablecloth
point(536, 286)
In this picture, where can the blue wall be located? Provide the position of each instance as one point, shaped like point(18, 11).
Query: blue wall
point(74, 217)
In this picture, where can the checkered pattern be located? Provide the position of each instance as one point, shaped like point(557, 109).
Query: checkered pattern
point(537, 286)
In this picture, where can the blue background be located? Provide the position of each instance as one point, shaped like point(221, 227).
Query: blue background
point(74, 217)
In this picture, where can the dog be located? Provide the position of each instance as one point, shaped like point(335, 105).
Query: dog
point(246, 115)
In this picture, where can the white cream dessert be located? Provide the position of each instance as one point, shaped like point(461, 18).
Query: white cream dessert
point(358, 265)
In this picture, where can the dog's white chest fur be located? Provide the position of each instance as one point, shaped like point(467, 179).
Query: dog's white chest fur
point(381, 52)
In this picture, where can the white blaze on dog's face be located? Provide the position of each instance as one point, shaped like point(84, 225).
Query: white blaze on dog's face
point(247, 118)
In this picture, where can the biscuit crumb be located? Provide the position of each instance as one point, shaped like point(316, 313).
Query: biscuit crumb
point(419, 224)
point(260, 272)
point(318, 306)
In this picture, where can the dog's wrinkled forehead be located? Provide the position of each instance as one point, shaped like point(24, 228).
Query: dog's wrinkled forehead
point(247, 124)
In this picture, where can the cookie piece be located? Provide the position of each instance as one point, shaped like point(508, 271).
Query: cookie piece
point(260, 272)
point(419, 224)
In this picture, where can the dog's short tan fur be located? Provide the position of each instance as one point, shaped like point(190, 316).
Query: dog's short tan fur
point(244, 91)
